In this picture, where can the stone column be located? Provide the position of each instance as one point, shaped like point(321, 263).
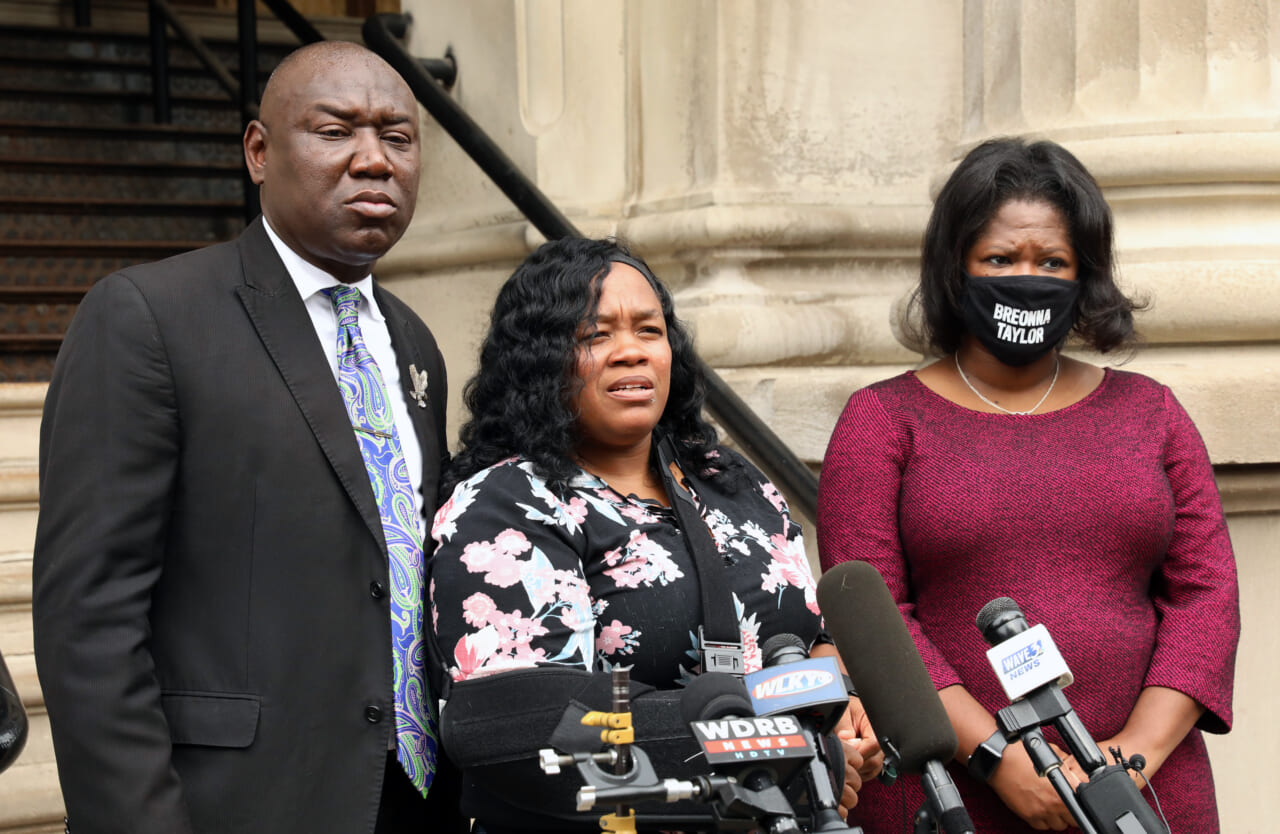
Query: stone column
point(771, 158)
point(1172, 105)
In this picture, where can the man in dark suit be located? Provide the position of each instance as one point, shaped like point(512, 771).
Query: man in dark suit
point(214, 609)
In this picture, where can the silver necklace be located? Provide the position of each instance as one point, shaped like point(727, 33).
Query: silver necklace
point(1057, 363)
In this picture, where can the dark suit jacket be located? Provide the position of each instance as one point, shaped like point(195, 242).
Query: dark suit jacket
point(211, 625)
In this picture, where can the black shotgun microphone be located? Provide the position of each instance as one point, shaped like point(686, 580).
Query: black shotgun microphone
point(885, 666)
point(896, 691)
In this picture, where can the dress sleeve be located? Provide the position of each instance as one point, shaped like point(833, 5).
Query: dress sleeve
point(858, 510)
point(1195, 590)
point(507, 584)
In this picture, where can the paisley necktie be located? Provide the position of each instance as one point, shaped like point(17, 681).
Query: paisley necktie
point(375, 428)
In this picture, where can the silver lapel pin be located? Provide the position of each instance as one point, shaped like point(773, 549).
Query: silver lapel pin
point(419, 379)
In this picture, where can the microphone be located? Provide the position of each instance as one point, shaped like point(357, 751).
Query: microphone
point(760, 752)
point(1032, 672)
point(1023, 658)
point(734, 739)
point(13, 719)
point(885, 666)
point(793, 682)
point(896, 690)
point(812, 689)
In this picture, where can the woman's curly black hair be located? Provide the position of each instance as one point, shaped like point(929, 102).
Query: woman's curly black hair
point(992, 174)
point(521, 397)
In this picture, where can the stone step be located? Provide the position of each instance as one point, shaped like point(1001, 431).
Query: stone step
point(76, 121)
point(18, 522)
point(27, 367)
point(38, 219)
point(19, 503)
point(73, 106)
point(46, 43)
point(30, 801)
point(15, 577)
point(27, 251)
point(136, 143)
point(22, 667)
point(210, 24)
point(33, 229)
point(73, 271)
point(101, 219)
point(20, 408)
point(121, 179)
point(31, 326)
point(15, 634)
point(91, 75)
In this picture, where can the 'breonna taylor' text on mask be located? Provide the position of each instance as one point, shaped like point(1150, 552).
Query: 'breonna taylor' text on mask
point(1020, 318)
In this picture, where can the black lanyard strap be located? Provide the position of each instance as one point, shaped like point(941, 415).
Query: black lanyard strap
point(719, 634)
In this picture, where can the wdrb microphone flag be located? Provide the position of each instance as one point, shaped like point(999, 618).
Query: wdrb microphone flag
point(732, 743)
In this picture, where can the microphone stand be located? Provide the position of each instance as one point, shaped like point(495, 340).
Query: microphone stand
point(1049, 766)
point(822, 798)
point(942, 809)
point(1109, 803)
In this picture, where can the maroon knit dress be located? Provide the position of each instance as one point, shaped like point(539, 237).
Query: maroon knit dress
point(1100, 519)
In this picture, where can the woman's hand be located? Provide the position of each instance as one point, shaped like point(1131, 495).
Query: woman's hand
point(853, 762)
point(854, 730)
point(863, 758)
point(1160, 720)
point(1030, 795)
point(1129, 745)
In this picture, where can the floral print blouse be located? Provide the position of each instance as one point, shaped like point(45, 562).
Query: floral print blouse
point(523, 576)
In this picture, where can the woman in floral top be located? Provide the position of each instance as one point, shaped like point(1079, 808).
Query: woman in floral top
point(558, 547)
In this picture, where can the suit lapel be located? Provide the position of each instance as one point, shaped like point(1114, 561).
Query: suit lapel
point(407, 354)
point(286, 331)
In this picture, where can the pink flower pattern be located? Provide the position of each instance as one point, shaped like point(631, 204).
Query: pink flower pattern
point(616, 638)
point(477, 608)
point(641, 561)
point(790, 568)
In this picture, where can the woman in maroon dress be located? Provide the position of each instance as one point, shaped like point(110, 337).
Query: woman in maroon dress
point(1008, 469)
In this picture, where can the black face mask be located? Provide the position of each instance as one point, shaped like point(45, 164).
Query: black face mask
point(1020, 318)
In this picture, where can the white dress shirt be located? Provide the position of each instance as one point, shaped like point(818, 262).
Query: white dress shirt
point(310, 281)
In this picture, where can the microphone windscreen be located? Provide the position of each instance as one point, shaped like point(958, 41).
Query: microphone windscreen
point(783, 648)
point(995, 610)
point(713, 695)
point(885, 666)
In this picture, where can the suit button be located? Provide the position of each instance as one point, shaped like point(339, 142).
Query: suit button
point(377, 590)
point(373, 714)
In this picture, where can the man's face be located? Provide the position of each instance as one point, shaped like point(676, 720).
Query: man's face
point(337, 156)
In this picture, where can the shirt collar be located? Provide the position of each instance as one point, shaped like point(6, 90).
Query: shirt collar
point(311, 280)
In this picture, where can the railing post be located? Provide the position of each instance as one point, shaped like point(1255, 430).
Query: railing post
point(247, 25)
point(161, 109)
point(290, 17)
